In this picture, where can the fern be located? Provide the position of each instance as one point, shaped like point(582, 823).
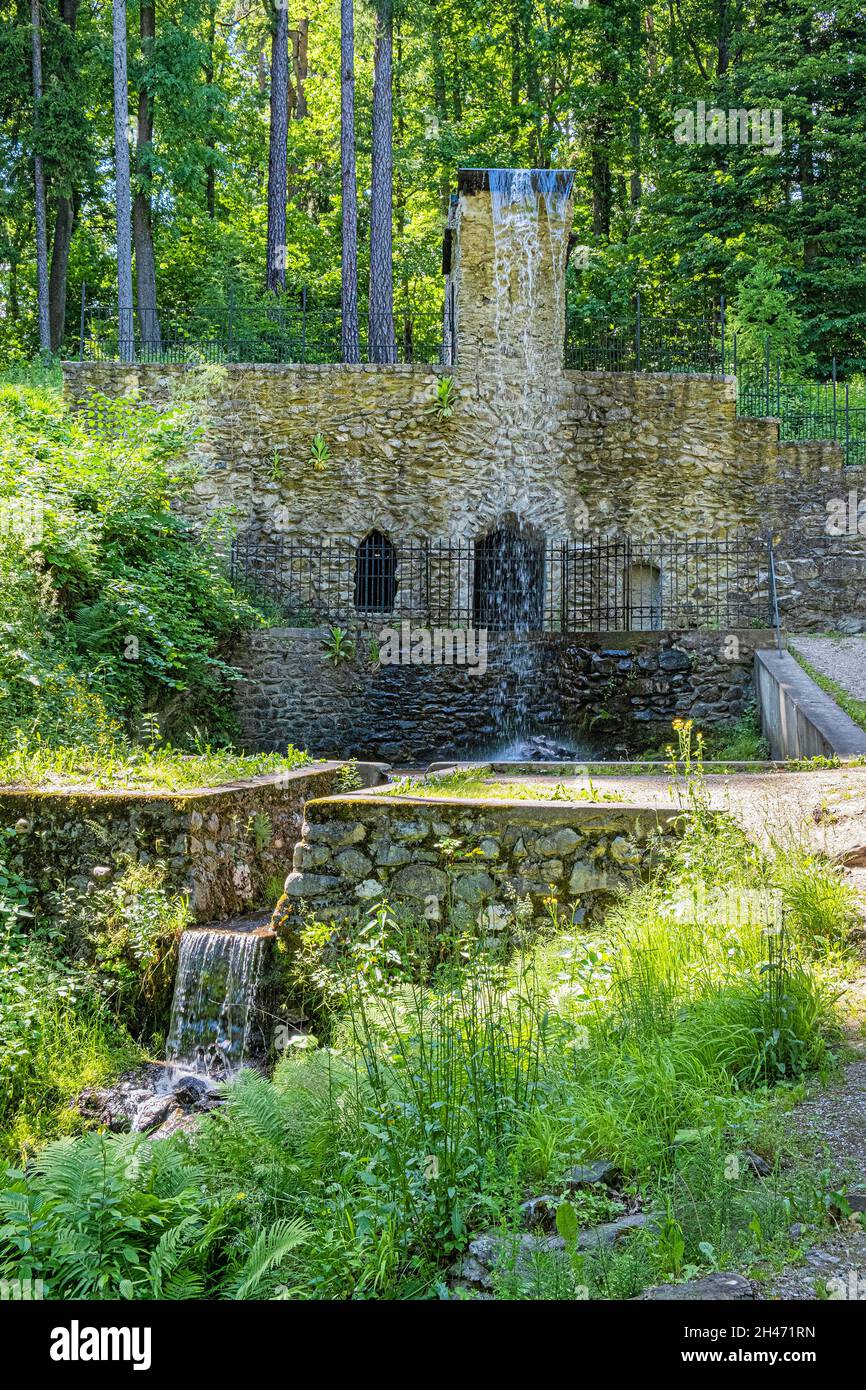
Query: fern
point(257, 1106)
point(269, 1249)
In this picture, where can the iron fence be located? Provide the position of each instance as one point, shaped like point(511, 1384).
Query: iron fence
point(507, 582)
point(643, 343)
point(260, 333)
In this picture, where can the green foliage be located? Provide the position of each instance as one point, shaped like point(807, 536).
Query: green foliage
point(339, 646)
point(126, 935)
point(449, 1075)
point(118, 1217)
point(110, 608)
point(348, 779)
point(110, 762)
point(445, 398)
point(764, 320)
point(589, 87)
point(320, 453)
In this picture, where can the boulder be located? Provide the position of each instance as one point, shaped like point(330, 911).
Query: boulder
point(587, 1174)
point(716, 1288)
point(153, 1112)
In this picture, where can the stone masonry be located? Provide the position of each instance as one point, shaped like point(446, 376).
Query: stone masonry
point(224, 848)
point(598, 689)
point(452, 861)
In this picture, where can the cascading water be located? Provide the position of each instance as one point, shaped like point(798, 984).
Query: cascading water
point(529, 251)
point(218, 974)
point(516, 196)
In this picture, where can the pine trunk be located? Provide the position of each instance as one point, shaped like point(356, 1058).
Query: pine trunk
point(64, 224)
point(351, 347)
point(279, 133)
point(142, 226)
point(381, 319)
point(122, 188)
point(39, 190)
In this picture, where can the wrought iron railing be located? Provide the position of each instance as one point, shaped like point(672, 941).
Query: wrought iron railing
point(259, 333)
point(637, 342)
point(511, 583)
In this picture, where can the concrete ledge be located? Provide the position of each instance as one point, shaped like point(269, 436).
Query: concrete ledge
point(798, 718)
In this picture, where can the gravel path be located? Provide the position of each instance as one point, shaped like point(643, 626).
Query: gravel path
point(832, 1125)
point(824, 811)
point(843, 659)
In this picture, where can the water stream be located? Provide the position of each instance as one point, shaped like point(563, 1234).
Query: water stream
point(218, 974)
point(530, 252)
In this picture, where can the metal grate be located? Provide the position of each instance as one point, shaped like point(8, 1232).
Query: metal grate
point(511, 583)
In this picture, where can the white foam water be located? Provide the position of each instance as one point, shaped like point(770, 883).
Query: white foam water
point(218, 974)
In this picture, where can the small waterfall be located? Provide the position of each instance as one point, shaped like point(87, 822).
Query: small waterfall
point(524, 318)
point(516, 196)
point(218, 973)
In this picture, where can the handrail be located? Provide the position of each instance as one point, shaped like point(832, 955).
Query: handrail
point(775, 616)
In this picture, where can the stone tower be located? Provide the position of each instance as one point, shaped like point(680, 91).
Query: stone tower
point(505, 259)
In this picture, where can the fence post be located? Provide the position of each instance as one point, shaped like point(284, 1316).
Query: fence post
point(82, 321)
point(847, 425)
point(722, 303)
point(304, 324)
point(778, 393)
point(229, 318)
point(637, 332)
point(834, 397)
point(766, 375)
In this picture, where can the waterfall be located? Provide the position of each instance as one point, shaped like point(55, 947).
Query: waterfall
point(529, 256)
point(518, 252)
point(218, 973)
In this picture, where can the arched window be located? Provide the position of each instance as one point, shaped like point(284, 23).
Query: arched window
point(375, 574)
point(509, 581)
point(643, 586)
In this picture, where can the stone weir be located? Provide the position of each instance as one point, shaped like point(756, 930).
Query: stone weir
point(461, 861)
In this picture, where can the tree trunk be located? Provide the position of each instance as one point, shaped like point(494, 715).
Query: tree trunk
point(142, 227)
point(381, 321)
point(350, 337)
point(440, 99)
point(39, 189)
point(64, 225)
point(210, 172)
point(122, 195)
point(279, 133)
point(602, 184)
point(300, 67)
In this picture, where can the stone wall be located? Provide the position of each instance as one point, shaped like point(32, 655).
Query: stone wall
point(602, 689)
point(567, 453)
point(226, 848)
point(357, 850)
